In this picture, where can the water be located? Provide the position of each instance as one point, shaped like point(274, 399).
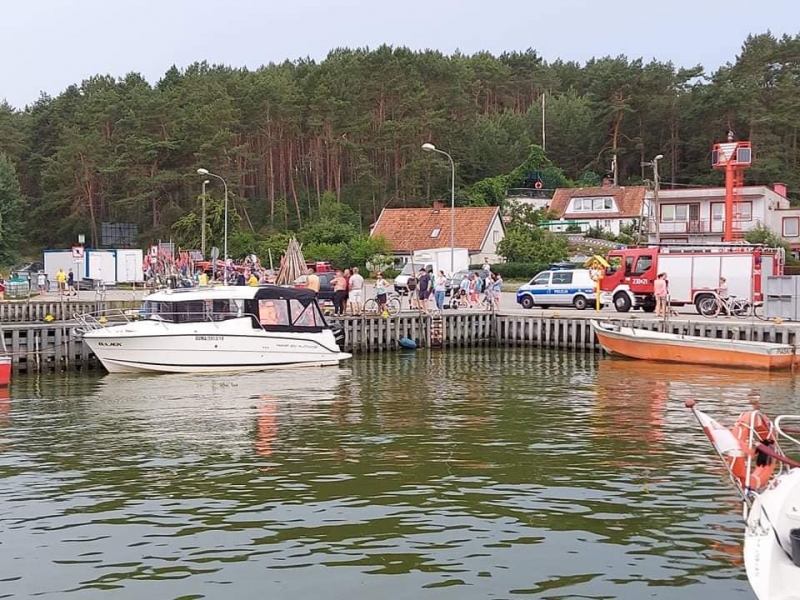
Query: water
point(462, 474)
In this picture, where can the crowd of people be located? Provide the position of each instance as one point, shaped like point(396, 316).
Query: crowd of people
point(475, 290)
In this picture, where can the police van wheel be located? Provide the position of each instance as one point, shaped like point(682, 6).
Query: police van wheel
point(527, 302)
point(580, 303)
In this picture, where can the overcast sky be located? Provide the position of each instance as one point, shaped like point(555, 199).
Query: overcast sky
point(46, 45)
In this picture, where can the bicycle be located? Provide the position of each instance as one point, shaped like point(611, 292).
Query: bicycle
point(391, 309)
point(714, 305)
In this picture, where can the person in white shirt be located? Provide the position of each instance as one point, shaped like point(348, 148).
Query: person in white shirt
point(356, 289)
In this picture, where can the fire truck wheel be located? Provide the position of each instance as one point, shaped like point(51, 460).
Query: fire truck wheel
point(648, 308)
point(622, 303)
point(579, 302)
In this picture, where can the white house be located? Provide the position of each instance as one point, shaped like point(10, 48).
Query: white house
point(607, 207)
point(477, 228)
point(697, 215)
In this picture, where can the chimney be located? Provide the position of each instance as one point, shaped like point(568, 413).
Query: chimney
point(607, 182)
point(780, 189)
point(437, 205)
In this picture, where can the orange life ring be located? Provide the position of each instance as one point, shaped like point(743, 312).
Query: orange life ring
point(538, 185)
point(761, 467)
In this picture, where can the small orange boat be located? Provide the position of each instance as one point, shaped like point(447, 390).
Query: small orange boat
point(670, 347)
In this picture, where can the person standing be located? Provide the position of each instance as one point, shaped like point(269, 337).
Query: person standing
point(41, 281)
point(356, 289)
point(440, 289)
point(381, 291)
point(423, 289)
point(61, 281)
point(497, 288)
point(339, 284)
point(347, 275)
point(473, 290)
point(252, 281)
point(660, 292)
point(71, 284)
point(723, 288)
point(312, 282)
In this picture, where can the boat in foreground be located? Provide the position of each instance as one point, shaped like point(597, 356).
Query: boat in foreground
point(217, 329)
point(768, 482)
point(671, 347)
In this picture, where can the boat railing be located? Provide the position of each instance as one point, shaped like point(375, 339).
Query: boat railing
point(99, 319)
point(786, 431)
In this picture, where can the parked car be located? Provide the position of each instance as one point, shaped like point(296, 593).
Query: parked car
point(558, 288)
point(325, 285)
point(455, 281)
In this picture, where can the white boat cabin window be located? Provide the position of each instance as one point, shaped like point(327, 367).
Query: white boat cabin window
point(273, 312)
point(306, 316)
point(194, 311)
point(289, 313)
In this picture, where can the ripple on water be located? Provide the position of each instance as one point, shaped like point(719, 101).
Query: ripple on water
point(463, 474)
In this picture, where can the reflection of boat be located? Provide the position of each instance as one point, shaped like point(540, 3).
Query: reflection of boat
point(217, 329)
point(769, 484)
point(669, 347)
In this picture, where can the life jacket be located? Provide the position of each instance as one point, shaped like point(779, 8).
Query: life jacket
point(762, 466)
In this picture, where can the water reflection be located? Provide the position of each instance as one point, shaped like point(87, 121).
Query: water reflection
point(464, 474)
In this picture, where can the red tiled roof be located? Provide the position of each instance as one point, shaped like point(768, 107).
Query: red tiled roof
point(629, 200)
point(409, 229)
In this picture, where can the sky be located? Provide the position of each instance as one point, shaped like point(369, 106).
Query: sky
point(47, 45)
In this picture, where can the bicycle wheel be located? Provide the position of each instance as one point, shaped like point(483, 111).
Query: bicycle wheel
point(708, 307)
point(758, 313)
point(740, 308)
point(371, 307)
point(393, 306)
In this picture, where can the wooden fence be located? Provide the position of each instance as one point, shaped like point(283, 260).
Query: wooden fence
point(57, 346)
point(41, 311)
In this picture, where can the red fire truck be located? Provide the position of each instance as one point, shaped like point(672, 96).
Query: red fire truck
point(693, 273)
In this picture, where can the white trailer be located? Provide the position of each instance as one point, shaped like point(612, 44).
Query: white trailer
point(101, 265)
point(129, 265)
point(436, 259)
point(63, 259)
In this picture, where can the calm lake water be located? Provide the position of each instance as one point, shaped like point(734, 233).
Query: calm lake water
point(461, 474)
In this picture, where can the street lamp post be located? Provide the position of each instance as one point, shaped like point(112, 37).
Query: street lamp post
point(203, 221)
point(428, 147)
point(225, 240)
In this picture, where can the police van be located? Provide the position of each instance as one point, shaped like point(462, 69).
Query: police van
point(558, 287)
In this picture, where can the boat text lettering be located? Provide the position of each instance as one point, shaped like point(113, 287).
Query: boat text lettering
point(110, 344)
point(209, 338)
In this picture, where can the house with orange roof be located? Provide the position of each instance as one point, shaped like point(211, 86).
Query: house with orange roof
point(607, 207)
point(477, 228)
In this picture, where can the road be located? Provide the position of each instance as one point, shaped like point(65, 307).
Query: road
point(508, 305)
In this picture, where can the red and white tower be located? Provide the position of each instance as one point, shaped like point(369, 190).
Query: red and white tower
point(734, 157)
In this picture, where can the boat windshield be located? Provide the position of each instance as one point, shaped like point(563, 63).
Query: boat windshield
point(289, 313)
point(194, 311)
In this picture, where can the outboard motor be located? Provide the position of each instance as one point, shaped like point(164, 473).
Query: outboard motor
point(338, 334)
point(794, 535)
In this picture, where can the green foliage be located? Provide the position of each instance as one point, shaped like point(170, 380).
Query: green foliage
point(11, 204)
point(767, 237)
point(320, 147)
point(517, 270)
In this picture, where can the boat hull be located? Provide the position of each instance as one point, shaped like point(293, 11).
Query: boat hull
point(654, 346)
point(208, 348)
point(770, 570)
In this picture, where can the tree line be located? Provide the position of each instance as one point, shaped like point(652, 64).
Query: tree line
point(292, 138)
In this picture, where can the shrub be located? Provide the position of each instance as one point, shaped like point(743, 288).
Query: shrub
point(516, 270)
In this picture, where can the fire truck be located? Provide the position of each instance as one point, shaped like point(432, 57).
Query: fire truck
point(693, 273)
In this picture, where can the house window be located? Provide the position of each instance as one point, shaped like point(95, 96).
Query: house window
point(607, 224)
point(601, 204)
point(495, 236)
point(435, 233)
point(742, 211)
point(675, 212)
point(791, 226)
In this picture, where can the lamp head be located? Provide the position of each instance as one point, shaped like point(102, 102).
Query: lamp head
point(428, 147)
point(202, 171)
point(659, 157)
point(207, 181)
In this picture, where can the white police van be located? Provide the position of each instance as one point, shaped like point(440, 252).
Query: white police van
point(557, 287)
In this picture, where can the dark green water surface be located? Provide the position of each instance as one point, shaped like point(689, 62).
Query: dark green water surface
point(462, 474)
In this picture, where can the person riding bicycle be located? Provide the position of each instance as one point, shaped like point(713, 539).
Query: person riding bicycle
point(722, 291)
point(382, 291)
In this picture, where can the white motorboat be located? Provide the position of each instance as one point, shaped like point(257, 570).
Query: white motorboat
point(216, 329)
point(769, 484)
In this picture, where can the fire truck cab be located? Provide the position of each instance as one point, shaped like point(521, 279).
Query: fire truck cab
point(693, 272)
